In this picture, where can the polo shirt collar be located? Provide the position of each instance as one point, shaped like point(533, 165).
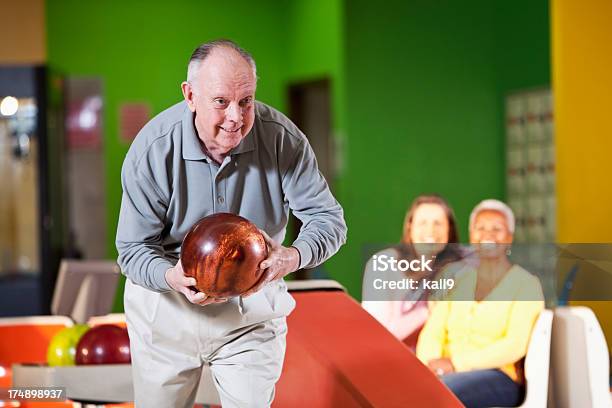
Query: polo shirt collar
point(246, 145)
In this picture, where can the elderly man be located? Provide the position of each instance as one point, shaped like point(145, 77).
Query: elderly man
point(217, 151)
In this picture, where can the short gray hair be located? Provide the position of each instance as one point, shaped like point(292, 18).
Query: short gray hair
point(494, 205)
point(204, 50)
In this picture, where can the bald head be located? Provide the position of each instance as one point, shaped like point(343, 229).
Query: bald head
point(223, 66)
point(231, 52)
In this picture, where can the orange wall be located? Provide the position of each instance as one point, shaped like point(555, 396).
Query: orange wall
point(22, 32)
point(582, 83)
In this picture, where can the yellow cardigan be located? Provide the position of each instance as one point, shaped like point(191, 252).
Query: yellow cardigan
point(486, 334)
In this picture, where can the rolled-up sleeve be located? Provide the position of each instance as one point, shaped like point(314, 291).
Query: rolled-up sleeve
point(139, 233)
point(323, 228)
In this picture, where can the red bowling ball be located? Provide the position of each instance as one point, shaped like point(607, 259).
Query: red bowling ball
point(223, 252)
point(104, 344)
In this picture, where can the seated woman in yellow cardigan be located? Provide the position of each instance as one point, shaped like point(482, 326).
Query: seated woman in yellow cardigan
point(475, 337)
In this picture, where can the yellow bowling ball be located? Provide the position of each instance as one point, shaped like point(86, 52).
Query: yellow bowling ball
point(62, 347)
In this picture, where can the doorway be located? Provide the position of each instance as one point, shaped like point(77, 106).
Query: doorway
point(310, 110)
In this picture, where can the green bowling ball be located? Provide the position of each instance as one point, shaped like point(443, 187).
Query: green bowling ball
point(62, 347)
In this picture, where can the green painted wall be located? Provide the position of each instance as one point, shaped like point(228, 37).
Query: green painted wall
point(316, 48)
point(425, 84)
point(523, 51)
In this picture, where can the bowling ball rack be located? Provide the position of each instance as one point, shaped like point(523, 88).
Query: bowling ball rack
point(96, 384)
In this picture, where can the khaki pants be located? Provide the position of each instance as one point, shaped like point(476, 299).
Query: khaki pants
point(243, 342)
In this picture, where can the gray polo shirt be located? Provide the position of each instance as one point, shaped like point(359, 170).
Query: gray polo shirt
point(169, 184)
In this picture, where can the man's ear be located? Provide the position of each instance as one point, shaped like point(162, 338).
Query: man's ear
point(188, 95)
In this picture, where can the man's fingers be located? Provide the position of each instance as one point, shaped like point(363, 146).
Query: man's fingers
point(268, 262)
point(205, 301)
point(271, 243)
point(187, 281)
point(197, 297)
point(188, 293)
point(211, 300)
point(265, 235)
point(192, 296)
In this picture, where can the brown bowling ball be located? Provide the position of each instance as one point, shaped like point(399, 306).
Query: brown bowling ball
point(223, 252)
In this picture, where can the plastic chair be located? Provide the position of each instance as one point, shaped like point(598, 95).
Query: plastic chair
point(580, 359)
point(85, 288)
point(537, 362)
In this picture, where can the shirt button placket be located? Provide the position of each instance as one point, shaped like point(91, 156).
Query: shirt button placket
point(220, 186)
point(221, 204)
point(214, 192)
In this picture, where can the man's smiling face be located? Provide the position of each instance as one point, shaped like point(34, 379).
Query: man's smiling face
point(222, 97)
